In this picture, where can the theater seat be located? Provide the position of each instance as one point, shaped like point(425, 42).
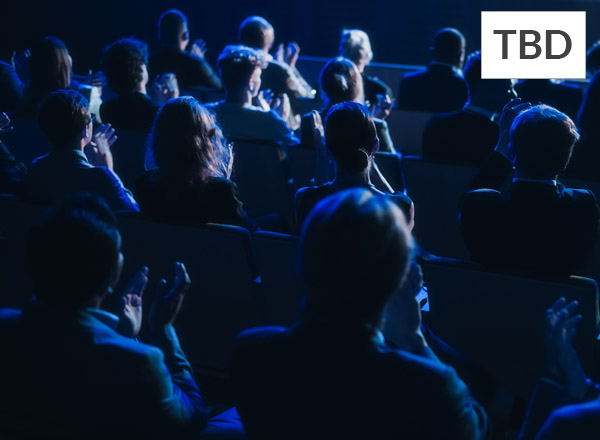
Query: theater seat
point(406, 129)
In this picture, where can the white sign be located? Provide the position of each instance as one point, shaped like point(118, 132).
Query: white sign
point(533, 44)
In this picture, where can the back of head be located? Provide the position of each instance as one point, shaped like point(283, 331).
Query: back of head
point(593, 58)
point(356, 46)
point(448, 46)
point(186, 142)
point(237, 64)
point(73, 251)
point(63, 116)
point(50, 67)
point(124, 63)
point(351, 136)
point(170, 27)
point(340, 81)
point(542, 139)
point(354, 252)
point(254, 32)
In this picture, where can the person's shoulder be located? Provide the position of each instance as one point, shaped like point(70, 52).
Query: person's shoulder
point(260, 336)
point(484, 194)
point(417, 74)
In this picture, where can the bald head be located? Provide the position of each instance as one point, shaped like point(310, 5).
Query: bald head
point(449, 47)
point(257, 33)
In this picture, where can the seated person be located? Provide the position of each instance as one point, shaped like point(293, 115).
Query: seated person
point(341, 81)
point(90, 377)
point(537, 226)
point(191, 183)
point(191, 68)
point(355, 46)
point(467, 136)
point(12, 88)
point(65, 120)
point(565, 402)
point(440, 87)
point(351, 138)
point(12, 172)
point(125, 66)
point(564, 97)
point(333, 374)
point(241, 69)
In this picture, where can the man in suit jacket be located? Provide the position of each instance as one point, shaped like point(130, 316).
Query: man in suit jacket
point(66, 371)
point(440, 87)
point(467, 136)
point(333, 374)
point(537, 225)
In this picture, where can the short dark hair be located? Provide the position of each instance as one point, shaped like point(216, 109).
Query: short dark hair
point(122, 62)
point(252, 32)
point(62, 117)
point(472, 72)
point(340, 81)
point(237, 64)
point(73, 251)
point(169, 25)
point(447, 45)
point(354, 252)
point(351, 136)
point(542, 140)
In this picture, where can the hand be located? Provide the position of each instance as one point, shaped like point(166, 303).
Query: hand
point(402, 323)
point(5, 124)
point(198, 48)
point(98, 150)
point(280, 53)
point(383, 108)
point(167, 304)
point(164, 88)
point(509, 113)
point(282, 107)
point(130, 304)
point(292, 52)
point(561, 359)
point(263, 100)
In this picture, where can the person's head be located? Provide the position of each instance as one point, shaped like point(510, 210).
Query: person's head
point(354, 252)
point(589, 114)
point(448, 47)
point(186, 143)
point(593, 59)
point(50, 67)
point(125, 64)
point(257, 33)
point(355, 46)
point(491, 94)
point(351, 136)
point(64, 118)
point(541, 141)
point(341, 81)
point(73, 252)
point(240, 68)
point(173, 29)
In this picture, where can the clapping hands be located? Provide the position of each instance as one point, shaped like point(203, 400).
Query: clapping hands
point(288, 55)
point(198, 48)
point(130, 304)
point(382, 108)
point(167, 303)
point(98, 150)
point(165, 87)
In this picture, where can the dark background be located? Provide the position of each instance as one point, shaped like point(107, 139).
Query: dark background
point(400, 30)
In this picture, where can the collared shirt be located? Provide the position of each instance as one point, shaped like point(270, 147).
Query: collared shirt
point(470, 108)
point(60, 173)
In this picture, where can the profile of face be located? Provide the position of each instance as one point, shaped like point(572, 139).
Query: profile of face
point(255, 82)
point(144, 75)
point(184, 36)
point(269, 39)
point(365, 52)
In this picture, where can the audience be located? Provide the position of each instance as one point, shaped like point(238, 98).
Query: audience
point(240, 119)
point(191, 68)
point(351, 137)
point(341, 81)
point(440, 87)
point(356, 46)
point(191, 183)
point(467, 136)
point(65, 120)
point(537, 225)
point(332, 374)
point(564, 97)
point(67, 371)
point(125, 64)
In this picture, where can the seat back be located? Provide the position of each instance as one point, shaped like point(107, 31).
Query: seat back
point(129, 152)
point(497, 319)
point(301, 164)
point(222, 300)
point(436, 190)
point(406, 129)
point(26, 141)
point(389, 165)
point(280, 288)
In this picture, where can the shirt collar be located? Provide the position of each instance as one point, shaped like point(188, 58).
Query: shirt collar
point(470, 108)
point(544, 181)
point(104, 317)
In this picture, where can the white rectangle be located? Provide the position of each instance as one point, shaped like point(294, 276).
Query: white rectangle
point(511, 27)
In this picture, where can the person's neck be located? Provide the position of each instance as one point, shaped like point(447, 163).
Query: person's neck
point(360, 66)
point(242, 97)
point(344, 178)
point(141, 89)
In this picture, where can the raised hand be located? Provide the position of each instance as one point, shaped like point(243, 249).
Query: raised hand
point(5, 126)
point(292, 52)
point(167, 303)
point(281, 106)
point(263, 100)
point(280, 53)
point(198, 48)
point(98, 150)
point(165, 87)
point(509, 113)
point(130, 304)
point(383, 107)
